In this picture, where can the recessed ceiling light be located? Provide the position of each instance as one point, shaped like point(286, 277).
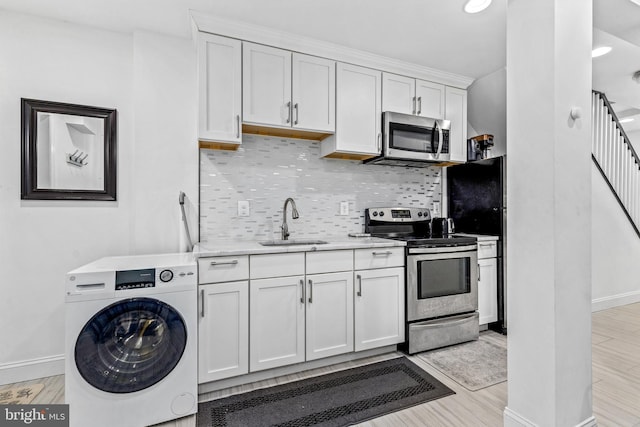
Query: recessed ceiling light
point(600, 51)
point(475, 6)
point(630, 119)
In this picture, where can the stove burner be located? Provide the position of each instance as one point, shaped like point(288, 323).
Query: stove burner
point(428, 242)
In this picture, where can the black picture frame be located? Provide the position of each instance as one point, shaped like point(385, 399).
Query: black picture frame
point(30, 188)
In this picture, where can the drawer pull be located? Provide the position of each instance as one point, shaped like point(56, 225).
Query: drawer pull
point(441, 324)
point(385, 253)
point(216, 263)
point(486, 244)
point(201, 302)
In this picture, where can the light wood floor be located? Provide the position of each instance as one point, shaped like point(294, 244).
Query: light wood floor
point(616, 384)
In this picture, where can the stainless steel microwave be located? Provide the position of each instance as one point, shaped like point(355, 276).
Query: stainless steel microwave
point(409, 140)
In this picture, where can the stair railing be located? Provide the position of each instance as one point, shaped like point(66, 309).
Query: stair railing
point(615, 157)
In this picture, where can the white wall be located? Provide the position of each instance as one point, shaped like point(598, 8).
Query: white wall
point(165, 145)
point(634, 137)
point(41, 240)
point(487, 109)
point(615, 250)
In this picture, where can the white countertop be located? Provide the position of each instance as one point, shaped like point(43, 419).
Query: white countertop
point(252, 247)
point(480, 237)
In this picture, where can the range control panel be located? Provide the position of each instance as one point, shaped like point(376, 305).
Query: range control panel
point(398, 214)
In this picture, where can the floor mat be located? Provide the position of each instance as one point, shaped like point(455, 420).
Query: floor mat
point(474, 365)
point(336, 399)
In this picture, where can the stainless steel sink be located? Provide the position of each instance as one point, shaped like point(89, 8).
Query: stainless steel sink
point(292, 242)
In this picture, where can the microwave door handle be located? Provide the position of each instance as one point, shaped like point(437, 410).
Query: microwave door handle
point(433, 138)
point(440, 141)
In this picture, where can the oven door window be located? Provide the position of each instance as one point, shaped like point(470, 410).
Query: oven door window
point(412, 138)
point(442, 277)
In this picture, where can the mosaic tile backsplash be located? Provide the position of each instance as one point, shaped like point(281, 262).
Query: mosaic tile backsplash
point(265, 171)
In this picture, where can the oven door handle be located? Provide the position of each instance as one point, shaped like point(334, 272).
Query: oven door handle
point(443, 250)
point(435, 324)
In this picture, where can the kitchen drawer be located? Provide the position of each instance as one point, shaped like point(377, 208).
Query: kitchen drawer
point(329, 261)
point(276, 265)
point(442, 332)
point(379, 258)
point(223, 269)
point(487, 249)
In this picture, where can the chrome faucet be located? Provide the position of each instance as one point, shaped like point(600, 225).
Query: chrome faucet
point(294, 215)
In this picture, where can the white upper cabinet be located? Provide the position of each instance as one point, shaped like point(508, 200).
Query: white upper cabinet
point(412, 96)
point(456, 111)
point(358, 110)
point(220, 89)
point(314, 93)
point(430, 99)
point(266, 77)
point(398, 93)
point(288, 90)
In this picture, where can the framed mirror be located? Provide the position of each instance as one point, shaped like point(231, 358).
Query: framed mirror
point(68, 151)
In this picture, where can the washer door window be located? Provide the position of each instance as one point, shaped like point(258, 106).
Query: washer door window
point(130, 345)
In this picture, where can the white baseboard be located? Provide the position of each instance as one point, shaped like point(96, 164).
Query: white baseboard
point(589, 422)
point(513, 419)
point(615, 301)
point(31, 369)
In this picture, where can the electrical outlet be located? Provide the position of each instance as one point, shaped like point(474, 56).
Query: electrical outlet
point(344, 208)
point(243, 208)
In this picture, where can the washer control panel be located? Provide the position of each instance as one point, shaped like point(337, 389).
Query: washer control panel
point(135, 279)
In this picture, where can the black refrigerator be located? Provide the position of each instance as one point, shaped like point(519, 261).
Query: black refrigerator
point(477, 202)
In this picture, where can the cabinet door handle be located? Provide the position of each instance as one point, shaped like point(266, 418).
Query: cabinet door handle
point(238, 126)
point(201, 302)
point(359, 278)
point(303, 292)
point(478, 272)
point(295, 106)
point(419, 105)
point(379, 141)
point(310, 291)
point(288, 104)
point(414, 105)
point(385, 253)
point(216, 263)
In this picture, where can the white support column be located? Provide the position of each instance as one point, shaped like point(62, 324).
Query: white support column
point(549, 213)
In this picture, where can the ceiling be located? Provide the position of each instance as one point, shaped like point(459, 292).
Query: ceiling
point(432, 33)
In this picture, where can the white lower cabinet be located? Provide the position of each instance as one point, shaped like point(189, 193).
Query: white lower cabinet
point(487, 290)
point(379, 307)
point(276, 313)
point(329, 317)
point(487, 281)
point(223, 331)
point(316, 311)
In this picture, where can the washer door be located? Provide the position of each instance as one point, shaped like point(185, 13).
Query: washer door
point(130, 345)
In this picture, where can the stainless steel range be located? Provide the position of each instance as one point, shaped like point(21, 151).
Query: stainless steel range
point(441, 278)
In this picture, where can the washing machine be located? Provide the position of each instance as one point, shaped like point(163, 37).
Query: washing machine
point(131, 341)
